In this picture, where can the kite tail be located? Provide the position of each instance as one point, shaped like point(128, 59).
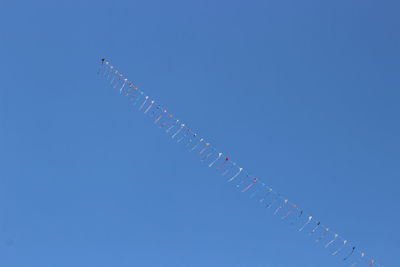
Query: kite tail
point(222, 164)
point(144, 103)
point(110, 72)
point(204, 148)
point(118, 80)
point(160, 116)
point(292, 208)
point(191, 139)
point(277, 210)
point(132, 94)
point(165, 123)
point(357, 261)
point(323, 235)
point(351, 253)
point(309, 220)
point(137, 98)
point(172, 126)
point(242, 181)
point(207, 156)
point(107, 71)
point(123, 85)
point(280, 207)
point(250, 185)
point(301, 213)
point(101, 66)
point(129, 89)
point(247, 187)
point(155, 111)
point(333, 240)
point(269, 191)
point(215, 160)
point(177, 132)
point(340, 248)
point(315, 229)
point(236, 175)
point(269, 205)
point(149, 107)
point(254, 193)
point(115, 74)
point(195, 146)
point(184, 136)
point(106, 68)
point(225, 172)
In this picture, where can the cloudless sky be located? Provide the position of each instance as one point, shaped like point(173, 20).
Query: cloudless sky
point(304, 94)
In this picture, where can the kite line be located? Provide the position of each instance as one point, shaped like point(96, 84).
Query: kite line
point(233, 172)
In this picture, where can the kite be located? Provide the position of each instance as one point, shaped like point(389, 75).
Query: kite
point(181, 133)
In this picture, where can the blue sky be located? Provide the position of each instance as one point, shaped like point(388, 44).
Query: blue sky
point(303, 94)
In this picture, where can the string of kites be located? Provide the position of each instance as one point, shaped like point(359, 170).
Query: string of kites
point(234, 173)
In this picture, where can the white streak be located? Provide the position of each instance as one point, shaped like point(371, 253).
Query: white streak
point(212, 163)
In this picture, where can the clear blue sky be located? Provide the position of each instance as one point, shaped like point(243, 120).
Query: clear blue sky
point(303, 94)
